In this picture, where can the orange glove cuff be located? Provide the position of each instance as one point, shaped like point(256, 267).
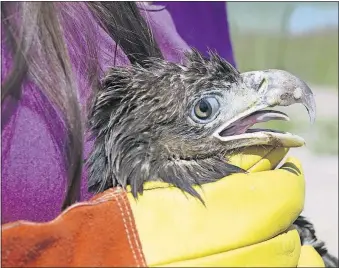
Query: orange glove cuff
point(101, 232)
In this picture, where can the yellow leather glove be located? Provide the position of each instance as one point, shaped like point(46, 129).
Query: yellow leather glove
point(246, 221)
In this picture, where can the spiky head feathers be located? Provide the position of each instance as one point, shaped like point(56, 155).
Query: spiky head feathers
point(148, 124)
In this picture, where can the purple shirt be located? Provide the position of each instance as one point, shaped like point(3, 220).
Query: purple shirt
point(203, 25)
point(33, 169)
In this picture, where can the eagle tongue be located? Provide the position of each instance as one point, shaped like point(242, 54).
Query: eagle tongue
point(243, 124)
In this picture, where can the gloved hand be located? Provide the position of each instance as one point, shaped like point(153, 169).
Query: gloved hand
point(246, 221)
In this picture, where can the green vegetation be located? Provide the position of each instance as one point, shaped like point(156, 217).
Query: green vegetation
point(312, 57)
point(321, 138)
point(326, 138)
point(261, 39)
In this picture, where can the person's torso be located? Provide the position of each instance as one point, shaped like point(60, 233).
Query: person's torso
point(33, 167)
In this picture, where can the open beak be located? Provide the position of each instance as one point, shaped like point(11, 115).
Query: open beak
point(272, 88)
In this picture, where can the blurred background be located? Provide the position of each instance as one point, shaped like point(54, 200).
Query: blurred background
point(301, 37)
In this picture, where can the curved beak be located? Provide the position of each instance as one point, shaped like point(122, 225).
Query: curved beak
point(271, 88)
point(280, 88)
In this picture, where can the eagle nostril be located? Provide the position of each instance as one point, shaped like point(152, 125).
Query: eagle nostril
point(262, 84)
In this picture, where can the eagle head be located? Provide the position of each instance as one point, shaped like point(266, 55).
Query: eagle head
point(178, 122)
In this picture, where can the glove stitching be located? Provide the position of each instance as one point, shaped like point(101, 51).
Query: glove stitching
point(107, 196)
point(133, 231)
point(126, 229)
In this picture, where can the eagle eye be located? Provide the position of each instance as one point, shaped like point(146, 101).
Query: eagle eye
point(205, 109)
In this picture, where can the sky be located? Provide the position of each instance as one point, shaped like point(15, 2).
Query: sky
point(295, 17)
point(307, 18)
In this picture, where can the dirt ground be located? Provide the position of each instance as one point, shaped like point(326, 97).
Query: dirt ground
point(321, 204)
point(321, 174)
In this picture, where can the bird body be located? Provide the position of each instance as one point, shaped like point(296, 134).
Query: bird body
point(178, 122)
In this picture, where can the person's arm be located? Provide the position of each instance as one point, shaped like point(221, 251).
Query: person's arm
point(246, 221)
point(95, 233)
point(33, 171)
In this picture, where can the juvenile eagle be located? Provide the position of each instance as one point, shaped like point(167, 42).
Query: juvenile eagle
point(178, 122)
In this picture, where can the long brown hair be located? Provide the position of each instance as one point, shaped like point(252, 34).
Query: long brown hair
point(36, 31)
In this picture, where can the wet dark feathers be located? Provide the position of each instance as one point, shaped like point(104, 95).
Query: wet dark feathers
point(130, 104)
